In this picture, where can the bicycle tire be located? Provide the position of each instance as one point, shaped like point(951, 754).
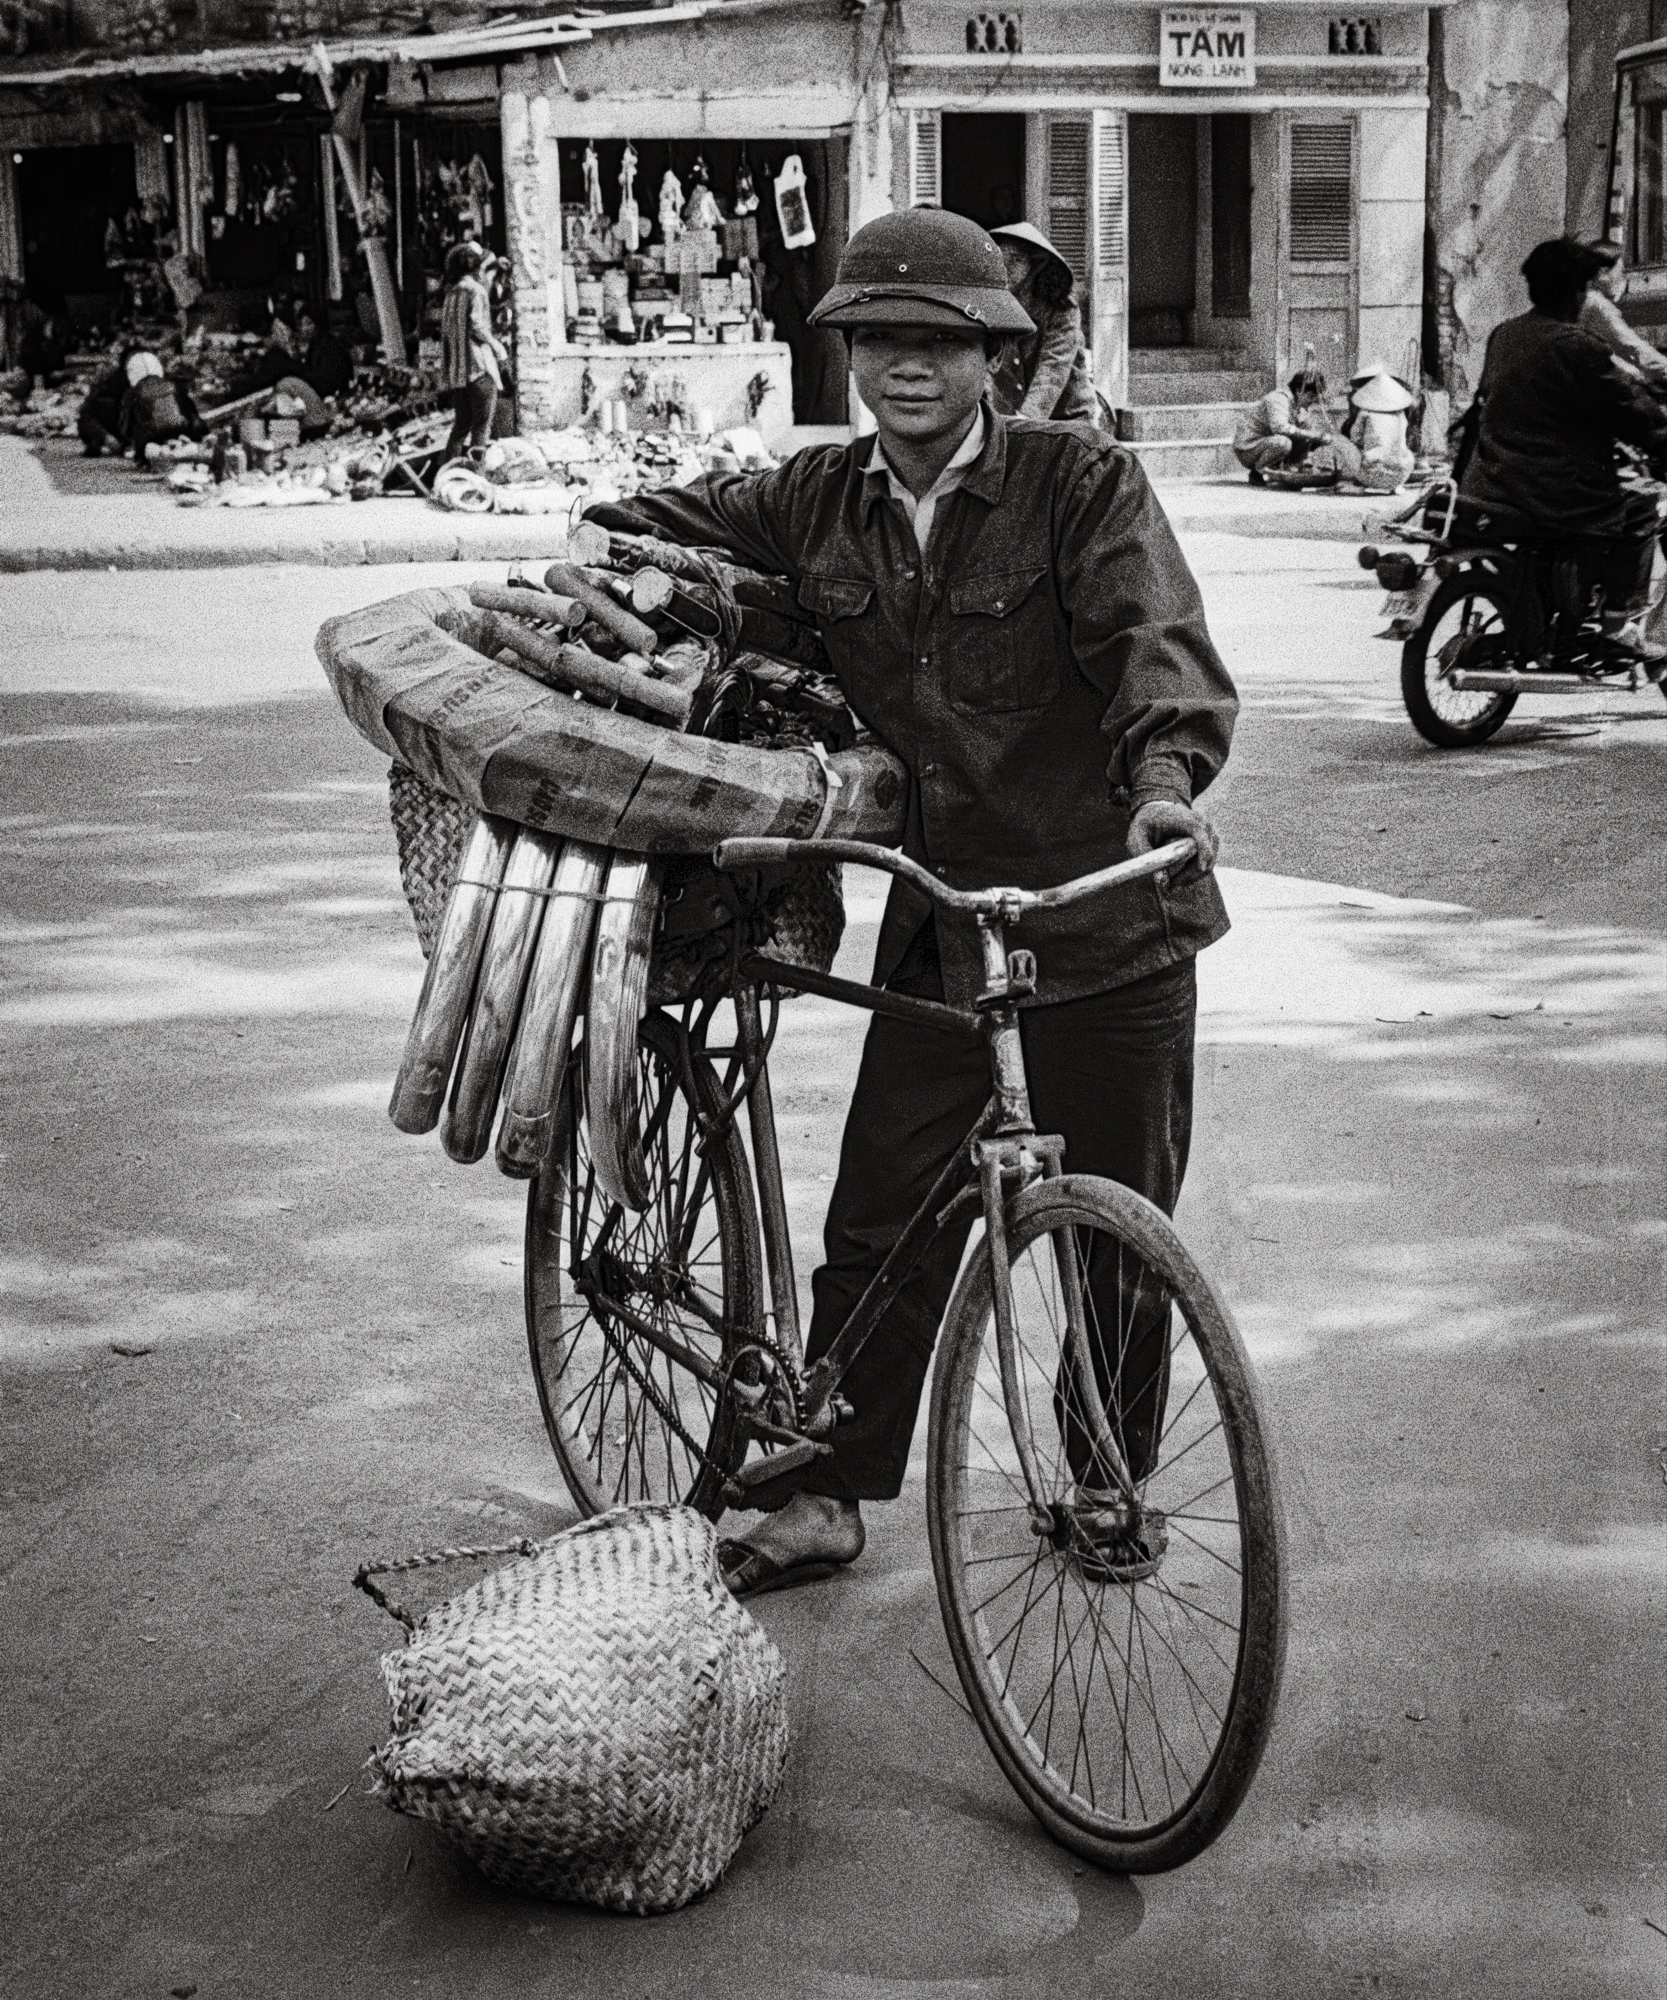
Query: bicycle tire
point(1448, 732)
point(978, 1518)
point(699, 1227)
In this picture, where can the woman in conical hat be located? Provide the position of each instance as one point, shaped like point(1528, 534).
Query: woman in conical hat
point(1378, 429)
point(1042, 374)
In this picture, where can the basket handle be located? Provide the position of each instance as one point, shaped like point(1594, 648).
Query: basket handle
point(526, 1546)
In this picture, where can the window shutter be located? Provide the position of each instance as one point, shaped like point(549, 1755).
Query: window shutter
point(925, 159)
point(1110, 197)
point(1069, 214)
point(1322, 194)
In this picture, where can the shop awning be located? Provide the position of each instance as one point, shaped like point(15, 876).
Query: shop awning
point(505, 39)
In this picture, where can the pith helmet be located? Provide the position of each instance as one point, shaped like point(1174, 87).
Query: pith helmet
point(922, 267)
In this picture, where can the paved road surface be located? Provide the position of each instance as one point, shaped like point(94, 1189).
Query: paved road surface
point(1427, 1169)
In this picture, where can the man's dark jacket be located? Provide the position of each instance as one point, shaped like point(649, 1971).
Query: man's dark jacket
point(1552, 403)
point(1042, 672)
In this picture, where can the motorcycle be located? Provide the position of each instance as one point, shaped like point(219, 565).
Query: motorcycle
point(1490, 612)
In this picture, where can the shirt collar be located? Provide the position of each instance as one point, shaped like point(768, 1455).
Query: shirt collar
point(983, 465)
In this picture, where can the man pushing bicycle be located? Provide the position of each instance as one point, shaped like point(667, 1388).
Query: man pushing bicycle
point(1006, 607)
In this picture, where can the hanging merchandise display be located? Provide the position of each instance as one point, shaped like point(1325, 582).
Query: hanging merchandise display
point(798, 232)
point(631, 231)
point(694, 283)
point(671, 207)
point(480, 186)
point(741, 231)
point(234, 180)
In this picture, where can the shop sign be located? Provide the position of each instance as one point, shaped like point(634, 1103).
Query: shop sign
point(1207, 48)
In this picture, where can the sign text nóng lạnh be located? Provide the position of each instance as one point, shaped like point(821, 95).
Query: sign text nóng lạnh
point(1207, 48)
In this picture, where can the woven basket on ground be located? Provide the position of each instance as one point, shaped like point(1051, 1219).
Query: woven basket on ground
point(598, 1721)
point(799, 916)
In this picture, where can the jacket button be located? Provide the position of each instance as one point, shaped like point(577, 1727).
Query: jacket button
point(926, 659)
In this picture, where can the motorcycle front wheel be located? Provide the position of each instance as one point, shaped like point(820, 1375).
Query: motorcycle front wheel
point(1464, 625)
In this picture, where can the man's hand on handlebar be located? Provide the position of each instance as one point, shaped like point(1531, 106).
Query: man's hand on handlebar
point(1161, 820)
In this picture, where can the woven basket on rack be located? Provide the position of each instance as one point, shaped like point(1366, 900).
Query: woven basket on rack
point(800, 916)
point(598, 1721)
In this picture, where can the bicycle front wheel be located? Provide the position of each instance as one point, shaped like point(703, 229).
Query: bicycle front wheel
point(1122, 1656)
point(635, 1318)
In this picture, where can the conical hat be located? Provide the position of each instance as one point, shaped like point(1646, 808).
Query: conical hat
point(1383, 396)
point(1027, 232)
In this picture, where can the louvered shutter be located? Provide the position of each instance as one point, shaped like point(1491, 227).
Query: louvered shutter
point(1322, 194)
point(925, 159)
point(1111, 197)
point(1106, 253)
point(1069, 210)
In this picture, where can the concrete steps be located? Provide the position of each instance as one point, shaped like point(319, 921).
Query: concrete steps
point(1242, 385)
point(1185, 360)
point(1184, 404)
point(1178, 423)
point(1176, 460)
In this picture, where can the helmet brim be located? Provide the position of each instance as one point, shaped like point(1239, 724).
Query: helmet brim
point(971, 309)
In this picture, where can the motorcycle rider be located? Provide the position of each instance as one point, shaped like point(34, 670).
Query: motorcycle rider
point(1551, 407)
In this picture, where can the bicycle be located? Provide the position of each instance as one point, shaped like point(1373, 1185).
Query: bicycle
point(1101, 1495)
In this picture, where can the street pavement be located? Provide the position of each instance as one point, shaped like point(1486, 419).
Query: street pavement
point(1427, 1172)
point(61, 510)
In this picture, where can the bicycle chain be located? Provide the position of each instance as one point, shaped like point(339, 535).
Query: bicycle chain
point(765, 1342)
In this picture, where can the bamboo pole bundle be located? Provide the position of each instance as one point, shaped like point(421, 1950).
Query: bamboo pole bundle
point(466, 1127)
point(442, 1014)
point(555, 990)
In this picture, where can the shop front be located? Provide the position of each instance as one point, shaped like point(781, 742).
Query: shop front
point(1254, 205)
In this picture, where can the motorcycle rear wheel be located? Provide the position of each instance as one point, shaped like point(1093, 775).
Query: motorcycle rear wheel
point(1466, 617)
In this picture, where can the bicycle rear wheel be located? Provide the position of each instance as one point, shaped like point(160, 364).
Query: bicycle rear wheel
point(634, 1319)
point(1128, 1700)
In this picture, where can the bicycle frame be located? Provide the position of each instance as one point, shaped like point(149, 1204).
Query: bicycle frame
point(1002, 1155)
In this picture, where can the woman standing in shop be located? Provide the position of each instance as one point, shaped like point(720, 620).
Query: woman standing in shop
point(469, 350)
point(1043, 374)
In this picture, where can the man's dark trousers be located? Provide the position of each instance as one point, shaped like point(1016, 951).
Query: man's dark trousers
point(1112, 1073)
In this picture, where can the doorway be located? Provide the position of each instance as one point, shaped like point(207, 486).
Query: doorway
point(1163, 229)
point(984, 166)
point(68, 196)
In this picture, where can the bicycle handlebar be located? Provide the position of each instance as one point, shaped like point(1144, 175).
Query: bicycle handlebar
point(977, 902)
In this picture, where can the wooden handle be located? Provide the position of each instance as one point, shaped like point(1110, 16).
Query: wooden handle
point(652, 590)
point(572, 667)
point(589, 543)
point(571, 581)
point(544, 605)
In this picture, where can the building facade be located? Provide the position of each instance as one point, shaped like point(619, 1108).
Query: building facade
point(1234, 185)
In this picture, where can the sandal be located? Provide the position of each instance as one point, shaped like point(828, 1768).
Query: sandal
point(750, 1572)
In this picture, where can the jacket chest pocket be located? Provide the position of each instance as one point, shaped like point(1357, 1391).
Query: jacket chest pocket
point(1000, 650)
point(840, 605)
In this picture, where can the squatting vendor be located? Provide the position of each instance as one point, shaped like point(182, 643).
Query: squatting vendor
point(1006, 607)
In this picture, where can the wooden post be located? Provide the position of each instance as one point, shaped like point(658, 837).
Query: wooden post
point(532, 208)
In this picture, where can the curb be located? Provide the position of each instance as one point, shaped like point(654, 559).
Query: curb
point(466, 546)
point(327, 554)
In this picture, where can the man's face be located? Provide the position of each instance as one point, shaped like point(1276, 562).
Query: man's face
point(920, 381)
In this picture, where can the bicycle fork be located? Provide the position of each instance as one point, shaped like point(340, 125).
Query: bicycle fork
point(1014, 1158)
